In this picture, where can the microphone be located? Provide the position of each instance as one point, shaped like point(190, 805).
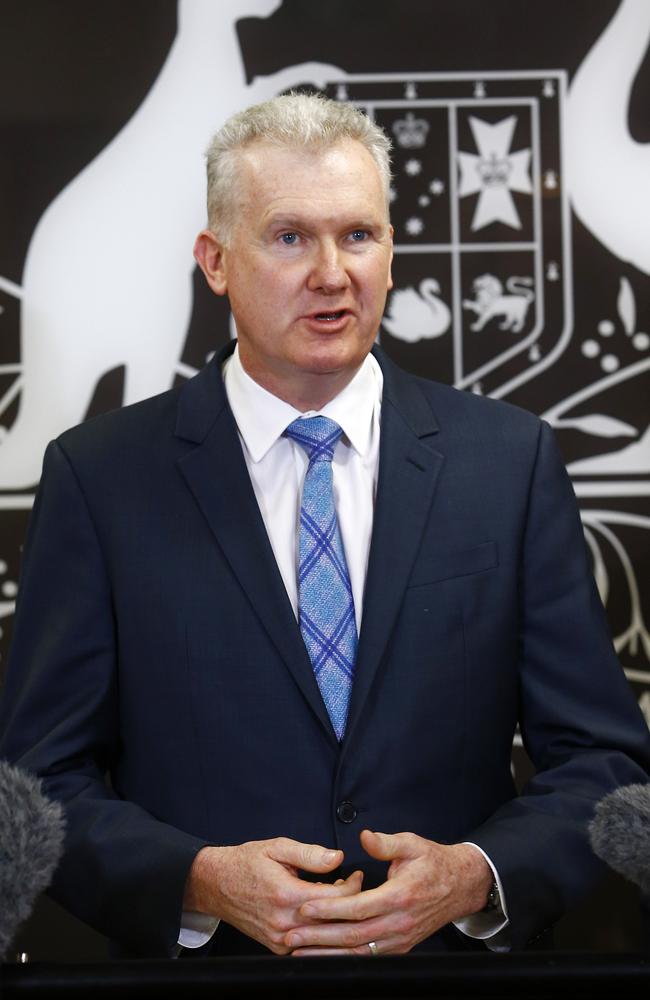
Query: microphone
point(32, 829)
point(620, 833)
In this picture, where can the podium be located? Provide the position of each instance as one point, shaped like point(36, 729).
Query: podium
point(525, 976)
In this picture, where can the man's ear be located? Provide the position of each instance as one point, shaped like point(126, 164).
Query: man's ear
point(209, 254)
point(390, 262)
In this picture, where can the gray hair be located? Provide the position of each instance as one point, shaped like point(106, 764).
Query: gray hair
point(304, 121)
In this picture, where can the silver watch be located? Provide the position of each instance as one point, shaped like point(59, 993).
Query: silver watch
point(493, 899)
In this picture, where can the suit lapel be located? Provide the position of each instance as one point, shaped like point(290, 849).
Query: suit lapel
point(215, 472)
point(408, 472)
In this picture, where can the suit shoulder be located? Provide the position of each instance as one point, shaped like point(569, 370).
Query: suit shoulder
point(473, 412)
point(455, 411)
point(131, 426)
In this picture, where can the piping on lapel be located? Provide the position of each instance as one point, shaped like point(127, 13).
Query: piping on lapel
point(215, 472)
point(408, 473)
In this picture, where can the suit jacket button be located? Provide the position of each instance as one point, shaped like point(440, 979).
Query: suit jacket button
point(346, 812)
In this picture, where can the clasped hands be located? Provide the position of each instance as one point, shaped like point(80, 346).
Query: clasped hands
point(257, 888)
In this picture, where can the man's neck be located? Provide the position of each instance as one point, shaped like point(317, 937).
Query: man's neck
point(312, 391)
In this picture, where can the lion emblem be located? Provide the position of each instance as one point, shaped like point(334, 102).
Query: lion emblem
point(489, 301)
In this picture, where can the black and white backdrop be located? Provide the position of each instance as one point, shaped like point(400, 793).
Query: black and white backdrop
point(521, 206)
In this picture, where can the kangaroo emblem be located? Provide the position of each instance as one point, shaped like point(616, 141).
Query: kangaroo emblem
point(99, 290)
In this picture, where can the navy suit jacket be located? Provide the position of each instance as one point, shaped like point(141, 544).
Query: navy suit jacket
point(155, 644)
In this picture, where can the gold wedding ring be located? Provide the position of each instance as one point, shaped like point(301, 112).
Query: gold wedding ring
point(374, 950)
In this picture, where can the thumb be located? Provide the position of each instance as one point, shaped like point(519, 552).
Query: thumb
point(307, 857)
point(387, 846)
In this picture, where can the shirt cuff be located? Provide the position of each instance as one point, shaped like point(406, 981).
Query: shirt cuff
point(196, 929)
point(487, 925)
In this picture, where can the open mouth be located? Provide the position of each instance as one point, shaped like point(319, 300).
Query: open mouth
point(330, 317)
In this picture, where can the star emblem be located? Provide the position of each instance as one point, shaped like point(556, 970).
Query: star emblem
point(412, 167)
point(414, 226)
point(494, 173)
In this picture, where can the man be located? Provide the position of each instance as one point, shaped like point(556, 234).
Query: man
point(306, 598)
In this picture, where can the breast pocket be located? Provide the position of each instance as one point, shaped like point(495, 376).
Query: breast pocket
point(448, 565)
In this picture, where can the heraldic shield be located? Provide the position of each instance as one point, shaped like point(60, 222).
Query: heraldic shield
point(484, 298)
point(482, 267)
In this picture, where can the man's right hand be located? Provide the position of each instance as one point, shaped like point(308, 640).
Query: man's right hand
point(256, 887)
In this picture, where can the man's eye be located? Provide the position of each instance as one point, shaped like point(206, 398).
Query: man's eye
point(359, 235)
point(289, 239)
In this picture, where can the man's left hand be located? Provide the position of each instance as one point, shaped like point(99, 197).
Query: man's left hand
point(428, 885)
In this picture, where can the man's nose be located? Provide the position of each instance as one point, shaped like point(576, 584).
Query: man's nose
point(328, 273)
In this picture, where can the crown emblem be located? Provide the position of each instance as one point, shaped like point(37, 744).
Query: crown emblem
point(411, 132)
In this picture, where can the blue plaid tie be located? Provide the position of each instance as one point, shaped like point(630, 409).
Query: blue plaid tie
point(327, 620)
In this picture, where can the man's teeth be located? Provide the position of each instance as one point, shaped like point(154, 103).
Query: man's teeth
point(329, 316)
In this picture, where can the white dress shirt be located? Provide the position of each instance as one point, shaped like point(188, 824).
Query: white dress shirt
point(277, 467)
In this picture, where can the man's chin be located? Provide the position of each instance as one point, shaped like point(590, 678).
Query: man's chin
point(331, 368)
point(333, 357)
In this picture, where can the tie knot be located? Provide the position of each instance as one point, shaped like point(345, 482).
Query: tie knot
point(317, 435)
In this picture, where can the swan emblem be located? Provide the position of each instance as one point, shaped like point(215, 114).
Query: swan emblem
point(417, 315)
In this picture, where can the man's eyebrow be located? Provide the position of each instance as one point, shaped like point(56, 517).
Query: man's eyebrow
point(283, 220)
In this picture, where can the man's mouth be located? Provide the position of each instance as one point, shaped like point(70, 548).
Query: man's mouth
point(330, 317)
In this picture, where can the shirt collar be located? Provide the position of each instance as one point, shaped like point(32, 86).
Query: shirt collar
point(262, 418)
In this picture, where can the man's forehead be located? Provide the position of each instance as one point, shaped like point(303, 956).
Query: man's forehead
point(261, 153)
point(281, 178)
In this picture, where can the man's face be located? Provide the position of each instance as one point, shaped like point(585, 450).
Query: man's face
point(307, 269)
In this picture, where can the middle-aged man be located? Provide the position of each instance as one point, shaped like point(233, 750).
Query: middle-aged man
point(296, 609)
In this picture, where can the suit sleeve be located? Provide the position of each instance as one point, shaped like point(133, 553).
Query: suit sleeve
point(579, 722)
point(123, 871)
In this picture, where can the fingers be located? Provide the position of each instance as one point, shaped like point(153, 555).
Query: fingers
point(336, 935)
point(256, 886)
point(351, 885)
point(348, 905)
point(364, 951)
point(389, 846)
point(390, 946)
point(308, 857)
point(319, 952)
